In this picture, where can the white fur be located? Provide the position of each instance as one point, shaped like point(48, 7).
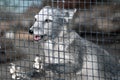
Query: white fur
point(38, 65)
point(57, 53)
point(40, 27)
point(16, 72)
point(71, 12)
point(90, 67)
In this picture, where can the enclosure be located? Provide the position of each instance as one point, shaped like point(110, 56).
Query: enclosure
point(59, 39)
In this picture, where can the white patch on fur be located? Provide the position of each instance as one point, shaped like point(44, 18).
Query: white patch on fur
point(37, 60)
point(90, 67)
point(57, 53)
point(63, 32)
point(38, 65)
point(70, 16)
point(15, 72)
point(12, 68)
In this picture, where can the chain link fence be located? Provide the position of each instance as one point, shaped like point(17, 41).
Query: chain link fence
point(60, 40)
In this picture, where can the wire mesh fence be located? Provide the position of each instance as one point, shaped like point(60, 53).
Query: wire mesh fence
point(60, 40)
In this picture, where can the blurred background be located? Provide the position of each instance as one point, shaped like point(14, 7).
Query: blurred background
point(18, 6)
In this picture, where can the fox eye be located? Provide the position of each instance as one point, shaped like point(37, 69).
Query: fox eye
point(35, 19)
point(48, 20)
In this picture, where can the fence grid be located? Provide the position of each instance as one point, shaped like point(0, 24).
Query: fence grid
point(59, 39)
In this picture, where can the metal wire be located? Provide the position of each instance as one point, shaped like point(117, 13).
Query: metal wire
point(67, 40)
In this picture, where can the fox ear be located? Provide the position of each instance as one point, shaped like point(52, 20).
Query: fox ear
point(68, 14)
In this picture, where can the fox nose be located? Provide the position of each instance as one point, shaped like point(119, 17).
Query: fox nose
point(30, 31)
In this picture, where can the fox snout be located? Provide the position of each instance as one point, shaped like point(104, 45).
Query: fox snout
point(30, 31)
